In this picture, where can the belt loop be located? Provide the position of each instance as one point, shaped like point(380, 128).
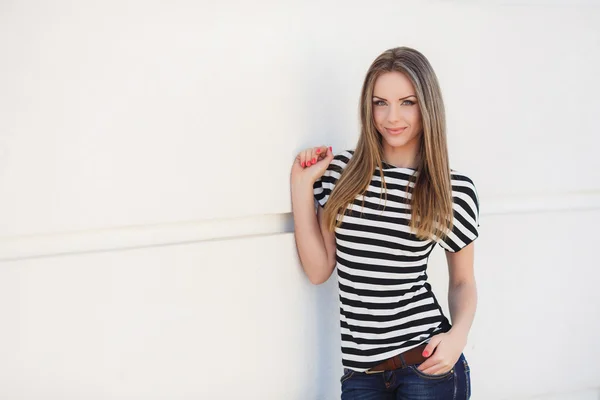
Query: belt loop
point(402, 360)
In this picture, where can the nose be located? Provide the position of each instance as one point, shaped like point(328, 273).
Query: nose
point(394, 114)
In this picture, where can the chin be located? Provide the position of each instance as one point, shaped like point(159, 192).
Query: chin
point(396, 141)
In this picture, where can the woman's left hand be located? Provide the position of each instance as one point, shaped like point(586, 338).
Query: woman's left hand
point(448, 347)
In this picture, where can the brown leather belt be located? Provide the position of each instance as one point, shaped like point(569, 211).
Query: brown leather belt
point(410, 357)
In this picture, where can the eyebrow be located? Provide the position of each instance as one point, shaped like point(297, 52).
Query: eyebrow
point(381, 98)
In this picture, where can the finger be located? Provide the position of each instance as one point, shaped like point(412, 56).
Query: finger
point(437, 369)
point(321, 152)
point(428, 351)
point(307, 157)
point(325, 155)
point(313, 156)
point(427, 364)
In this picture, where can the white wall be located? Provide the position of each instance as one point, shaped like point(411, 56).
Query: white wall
point(145, 228)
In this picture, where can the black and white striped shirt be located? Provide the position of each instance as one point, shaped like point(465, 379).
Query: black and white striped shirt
point(386, 304)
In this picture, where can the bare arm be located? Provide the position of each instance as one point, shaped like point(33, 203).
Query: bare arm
point(462, 301)
point(328, 239)
point(462, 291)
point(315, 244)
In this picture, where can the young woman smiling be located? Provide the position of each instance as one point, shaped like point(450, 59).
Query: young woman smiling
point(383, 206)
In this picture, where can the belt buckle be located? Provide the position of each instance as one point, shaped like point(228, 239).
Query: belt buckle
point(373, 372)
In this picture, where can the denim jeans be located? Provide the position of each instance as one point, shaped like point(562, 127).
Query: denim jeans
point(408, 384)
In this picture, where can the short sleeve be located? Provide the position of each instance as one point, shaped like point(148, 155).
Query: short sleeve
point(323, 186)
point(465, 206)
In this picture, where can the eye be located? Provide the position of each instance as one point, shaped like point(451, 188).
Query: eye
point(409, 101)
point(377, 103)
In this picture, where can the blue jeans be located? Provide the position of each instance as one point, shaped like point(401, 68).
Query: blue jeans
point(408, 384)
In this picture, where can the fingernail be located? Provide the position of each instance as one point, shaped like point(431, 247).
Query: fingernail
point(314, 160)
point(318, 151)
point(425, 354)
point(330, 149)
point(303, 163)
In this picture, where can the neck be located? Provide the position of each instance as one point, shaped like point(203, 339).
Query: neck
point(402, 157)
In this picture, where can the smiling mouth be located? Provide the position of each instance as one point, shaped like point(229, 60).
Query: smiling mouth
point(396, 131)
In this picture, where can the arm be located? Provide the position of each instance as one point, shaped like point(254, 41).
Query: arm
point(315, 244)
point(462, 301)
point(462, 290)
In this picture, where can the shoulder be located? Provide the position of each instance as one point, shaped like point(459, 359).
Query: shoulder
point(465, 204)
point(344, 156)
point(464, 191)
point(462, 181)
point(327, 182)
point(340, 160)
point(460, 176)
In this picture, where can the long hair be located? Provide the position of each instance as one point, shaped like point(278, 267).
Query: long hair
point(431, 202)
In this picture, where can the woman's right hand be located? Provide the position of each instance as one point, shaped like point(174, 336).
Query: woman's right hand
point(310, 164)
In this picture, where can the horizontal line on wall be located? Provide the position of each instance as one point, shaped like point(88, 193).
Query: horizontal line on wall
point(544, 202)
point(142, 236)
point(168, 234)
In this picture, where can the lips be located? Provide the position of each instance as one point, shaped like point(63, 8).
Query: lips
point(396, 130)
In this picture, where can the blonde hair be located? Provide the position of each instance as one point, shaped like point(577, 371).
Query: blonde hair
point(431, 201)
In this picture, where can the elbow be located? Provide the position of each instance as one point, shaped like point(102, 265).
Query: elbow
point(319, 279)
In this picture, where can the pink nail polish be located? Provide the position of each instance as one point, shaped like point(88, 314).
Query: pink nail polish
point(314, 160)
point(318, 151)
point(303, 164)
point(425, 354)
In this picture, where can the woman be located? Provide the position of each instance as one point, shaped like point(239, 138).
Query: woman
point(382, 209)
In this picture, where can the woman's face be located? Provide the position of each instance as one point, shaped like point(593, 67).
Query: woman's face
point(395, 106)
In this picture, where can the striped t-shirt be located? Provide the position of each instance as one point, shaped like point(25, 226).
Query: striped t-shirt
point(386, 304)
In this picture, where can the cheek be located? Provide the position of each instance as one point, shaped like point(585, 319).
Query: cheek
point(415, 115)
point(379, 115)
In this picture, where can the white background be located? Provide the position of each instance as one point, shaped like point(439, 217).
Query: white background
point(146, 245)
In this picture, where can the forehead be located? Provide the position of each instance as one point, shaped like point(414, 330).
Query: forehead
point(393, 85)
